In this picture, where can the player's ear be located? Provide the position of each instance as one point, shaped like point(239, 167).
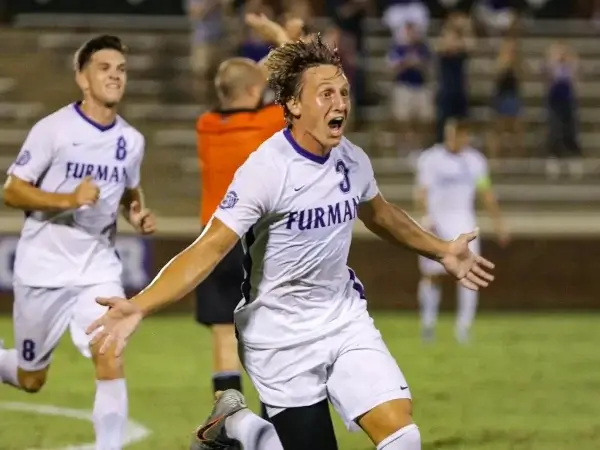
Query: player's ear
point(294, 107)
point(81, 80)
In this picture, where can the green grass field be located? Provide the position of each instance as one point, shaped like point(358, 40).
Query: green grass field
point(525, 383)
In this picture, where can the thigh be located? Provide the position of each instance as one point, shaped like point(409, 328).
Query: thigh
point(218, 295)
point(200, 60)
point(291, 377)
point(401, 103)
point(87, 310)
point(365, 374)
point(308, 427)
point(424, 105)
point(40, 316)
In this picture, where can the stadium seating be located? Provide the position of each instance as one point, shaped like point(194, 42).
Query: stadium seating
point(160, 104)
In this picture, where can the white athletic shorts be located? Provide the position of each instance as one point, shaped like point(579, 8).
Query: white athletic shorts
point(353, 368)
point(429, 267)
point(42, 315)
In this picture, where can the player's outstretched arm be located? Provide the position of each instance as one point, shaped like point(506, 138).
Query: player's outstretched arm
point(188, 269)
point(184, 272)
point(394, 225)
point(21, 194)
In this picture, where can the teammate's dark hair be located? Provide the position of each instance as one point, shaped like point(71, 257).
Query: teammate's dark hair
point(105, 42)
point(286, 65)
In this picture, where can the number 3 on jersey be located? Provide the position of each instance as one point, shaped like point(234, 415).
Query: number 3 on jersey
point(340, 167)
point(121, 152)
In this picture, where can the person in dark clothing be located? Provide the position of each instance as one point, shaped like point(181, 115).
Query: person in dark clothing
point(453, 53)
point(507, 103)
point(349, 16)
point(563, 141)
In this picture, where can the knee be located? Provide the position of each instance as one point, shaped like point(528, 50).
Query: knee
point(107, 365)
point(32, 382)
point(387, 419)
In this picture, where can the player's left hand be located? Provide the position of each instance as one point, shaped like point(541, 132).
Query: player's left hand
point(141, 219)
point(471, 270)
point(116, 326)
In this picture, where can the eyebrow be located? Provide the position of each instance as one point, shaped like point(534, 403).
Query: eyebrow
point(329, 84)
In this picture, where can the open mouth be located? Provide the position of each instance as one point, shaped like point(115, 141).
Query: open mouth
point(335, 125)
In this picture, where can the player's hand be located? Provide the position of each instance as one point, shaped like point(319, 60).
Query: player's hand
point(116, 326)
point(267, 29)
point(86, 194)
point(471, 270)
point(141, 219)
point(294, 28)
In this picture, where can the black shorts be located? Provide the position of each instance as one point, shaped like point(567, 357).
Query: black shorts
point(220, 293)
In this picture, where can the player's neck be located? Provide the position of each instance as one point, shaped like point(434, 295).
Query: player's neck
point(98, 113)
point(242, 103)
point(308, 142)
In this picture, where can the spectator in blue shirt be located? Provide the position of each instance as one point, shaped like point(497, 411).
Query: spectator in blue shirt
point(411, 100)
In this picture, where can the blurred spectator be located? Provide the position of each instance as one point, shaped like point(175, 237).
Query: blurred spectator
point(507, 127)
point(400, 12)
point(456, 41)
point(563, 142)
point(253, 46)
point(207, 22)
point(297, 9)
point(348, 17)
point(411, 101)
point(496, 16)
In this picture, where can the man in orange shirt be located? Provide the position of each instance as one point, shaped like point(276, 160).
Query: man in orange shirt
point(226, 137)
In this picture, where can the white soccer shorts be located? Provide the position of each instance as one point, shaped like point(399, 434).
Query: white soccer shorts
point(353, 368)
point(42, 315)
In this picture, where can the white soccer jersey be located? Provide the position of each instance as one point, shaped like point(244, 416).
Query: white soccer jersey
point(451, 180)
point(297, 211)
point(75, 248)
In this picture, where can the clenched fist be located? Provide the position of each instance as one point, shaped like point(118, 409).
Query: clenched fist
point(86, 194)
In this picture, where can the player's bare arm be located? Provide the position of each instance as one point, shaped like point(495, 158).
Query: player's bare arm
point(395, 226)
point(182, 274)
point(20, 194)
point(133, 208)
point(491, 205)
point(420, 203)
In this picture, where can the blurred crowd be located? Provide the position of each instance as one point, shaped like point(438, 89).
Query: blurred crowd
point(430, 76)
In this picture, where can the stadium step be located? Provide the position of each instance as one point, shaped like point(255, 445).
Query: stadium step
point(7, 85)
point(528, 45)
point(26, 111)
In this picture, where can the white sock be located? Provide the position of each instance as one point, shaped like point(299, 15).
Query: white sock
point(407, 438)
point(253, 432)
point(429, 299)
point(9, 367)
point(467, 305)
point(110, 414)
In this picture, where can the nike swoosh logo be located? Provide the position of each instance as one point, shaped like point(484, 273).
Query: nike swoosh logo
point(75, 144)
point(297, 189)
point(207, 427)
point(403, 388)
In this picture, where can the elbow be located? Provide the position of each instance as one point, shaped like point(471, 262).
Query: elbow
point(382, 219)
point(9, 197)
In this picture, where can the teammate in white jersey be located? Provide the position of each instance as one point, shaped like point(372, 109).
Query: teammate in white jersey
point(78, 168)
point(305, 334)
point(449, 178)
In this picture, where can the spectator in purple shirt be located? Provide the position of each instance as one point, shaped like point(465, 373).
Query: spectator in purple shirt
point(411, 100)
